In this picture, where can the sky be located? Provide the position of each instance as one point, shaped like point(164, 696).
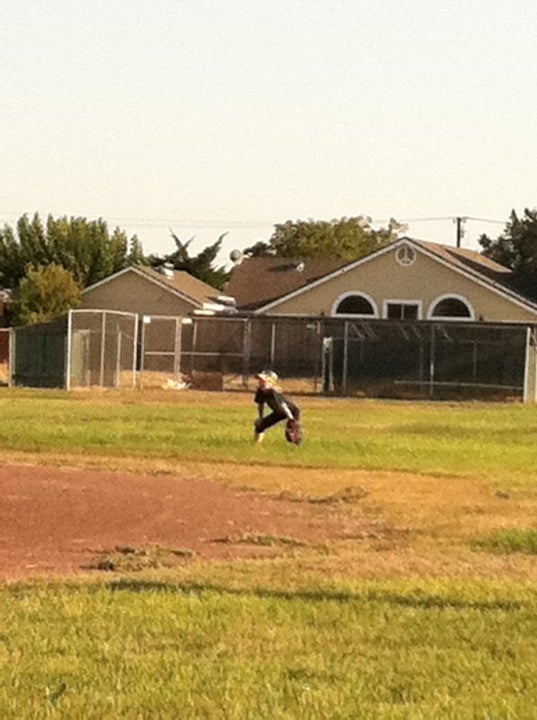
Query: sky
point(205, 117)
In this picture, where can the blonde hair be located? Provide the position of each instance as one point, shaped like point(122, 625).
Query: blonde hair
point(269, 379)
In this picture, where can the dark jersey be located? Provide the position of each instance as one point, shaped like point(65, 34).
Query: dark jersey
point(273, 398)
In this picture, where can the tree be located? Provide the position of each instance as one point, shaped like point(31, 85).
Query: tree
point(46, 292)
point(516, 248)
point(136, 253)
point(83, 247)
point(347, 238)
point(200, 266)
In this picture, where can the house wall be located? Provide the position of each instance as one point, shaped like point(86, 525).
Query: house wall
point(382, 278)
point(135, 294)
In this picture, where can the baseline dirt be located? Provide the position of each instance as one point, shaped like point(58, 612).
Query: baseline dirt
point(59, 520)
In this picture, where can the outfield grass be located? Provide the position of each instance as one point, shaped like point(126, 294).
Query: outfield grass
point(438, 621)
point(154, 649)
point(494, 441)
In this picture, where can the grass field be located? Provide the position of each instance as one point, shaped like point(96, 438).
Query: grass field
point(434, 616)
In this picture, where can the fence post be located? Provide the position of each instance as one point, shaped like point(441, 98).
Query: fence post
point(178, 343)
point(103, 341)
point(117, 379)
point(317, 350)
point(134, 349)
point(345, 357)
point(530, 368)
point(431, 365)
point(142, 353)
point(68, 350)
point(194, 346)
point(247, 349)
point(272, 343)
point(12, 342)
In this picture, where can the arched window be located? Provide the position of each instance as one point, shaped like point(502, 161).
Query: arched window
point(354, 304)
point(450, 306)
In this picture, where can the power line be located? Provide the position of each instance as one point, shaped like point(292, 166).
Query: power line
point(6, 217)
point(494, 222)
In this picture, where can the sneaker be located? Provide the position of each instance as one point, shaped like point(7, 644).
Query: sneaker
point(258, 437)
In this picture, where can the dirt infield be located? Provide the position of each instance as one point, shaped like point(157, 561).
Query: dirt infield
point(60, 520)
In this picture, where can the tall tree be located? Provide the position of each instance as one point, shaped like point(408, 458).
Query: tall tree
point(200, 266)
point(83, 247)
point(516, 247)
point(347, 238)
point(136, 252)
point(46, 292)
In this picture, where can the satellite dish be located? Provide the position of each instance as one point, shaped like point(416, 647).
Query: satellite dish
point(236, 257)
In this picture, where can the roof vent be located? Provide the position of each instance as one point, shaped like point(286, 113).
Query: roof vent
point(166, 269)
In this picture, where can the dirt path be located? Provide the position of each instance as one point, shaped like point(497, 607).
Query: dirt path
point(58, 521)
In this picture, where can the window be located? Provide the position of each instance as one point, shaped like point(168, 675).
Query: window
point(402, 311)
point(355, 305)
point(451, 306)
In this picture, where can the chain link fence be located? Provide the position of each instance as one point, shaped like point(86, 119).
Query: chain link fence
point(102, 349)
point(372, 358)
point(332, 356)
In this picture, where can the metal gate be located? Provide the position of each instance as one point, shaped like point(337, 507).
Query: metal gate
point(160, 351)
point(102, 349)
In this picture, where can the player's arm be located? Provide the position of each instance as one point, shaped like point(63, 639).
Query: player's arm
point(260, 402)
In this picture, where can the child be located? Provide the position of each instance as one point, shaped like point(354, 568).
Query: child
point(269, 393)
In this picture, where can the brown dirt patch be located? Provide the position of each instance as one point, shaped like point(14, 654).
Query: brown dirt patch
point(59, 520)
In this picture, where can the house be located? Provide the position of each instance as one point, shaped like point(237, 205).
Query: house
point(147, 291)
point(405, 280)
point(259, 281)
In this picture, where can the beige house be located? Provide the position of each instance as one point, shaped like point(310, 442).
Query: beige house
point(408, 279)
point(146, 291)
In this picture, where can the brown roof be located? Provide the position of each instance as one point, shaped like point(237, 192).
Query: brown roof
point(486, 269)
point(260, 280)
point(257, 282)
point(470, 260)
point(185, 283)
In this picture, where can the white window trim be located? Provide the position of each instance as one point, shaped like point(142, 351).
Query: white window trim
point(354, 293)
point(401, 301)
point(449, 296)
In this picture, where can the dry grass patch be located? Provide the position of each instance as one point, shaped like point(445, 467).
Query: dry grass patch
point(249, 538)
point(130, 559)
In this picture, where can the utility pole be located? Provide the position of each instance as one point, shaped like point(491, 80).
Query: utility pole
point(460, 229)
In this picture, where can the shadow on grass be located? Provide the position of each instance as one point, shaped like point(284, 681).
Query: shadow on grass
point(417, 599)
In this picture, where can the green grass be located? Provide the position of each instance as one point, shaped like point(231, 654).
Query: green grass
point(520, 540)
point(270, 639)
point(490, 440)
point(149, 649)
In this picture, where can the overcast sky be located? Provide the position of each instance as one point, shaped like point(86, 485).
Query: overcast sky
point(206, 116)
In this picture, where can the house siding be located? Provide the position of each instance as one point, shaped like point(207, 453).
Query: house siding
point(383, 278)
point(135, 294)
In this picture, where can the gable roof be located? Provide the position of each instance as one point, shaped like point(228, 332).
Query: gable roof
point(261, 280)
point(180, 283)
point(470, 263)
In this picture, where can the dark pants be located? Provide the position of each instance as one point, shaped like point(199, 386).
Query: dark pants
point(277, 416)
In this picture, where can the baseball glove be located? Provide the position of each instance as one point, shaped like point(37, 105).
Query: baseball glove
point(293, 431)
